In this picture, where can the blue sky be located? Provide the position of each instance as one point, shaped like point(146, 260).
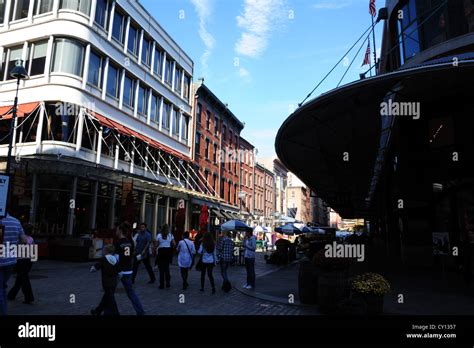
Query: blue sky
point(263, 57)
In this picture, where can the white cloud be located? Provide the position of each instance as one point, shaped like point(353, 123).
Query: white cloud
point(258, 20)
point(331, 5)
point(203, 9)
point(244, 72)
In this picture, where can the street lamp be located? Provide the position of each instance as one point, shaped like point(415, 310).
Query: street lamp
point(19, 73)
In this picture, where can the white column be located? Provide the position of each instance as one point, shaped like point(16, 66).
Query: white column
point(161, 113)
point(24, 52)
point(146, 159)
point(30, 11)
point(140, 48)
point(137, 89)
point(71, 215)
point(143, 207)
point(167, 212)
point(148, 115)
point(111, 20)
point(85, 74)
point(163, 67)
point(80, 129)
point(152, 61)
point(6, 20)
point(117, 149)
point(181, 120)
point(49, 53)
point(99, 146)
point(2, 50)
point(106, 74)
point(183, 74)
point(39, 130)
point(171, 120)
point(155, 216)
point(127, 33)
point(132, 158)
point(93, 216)
point(122, 84)
point(55, 8)
point(173, 75)
point(93, 10)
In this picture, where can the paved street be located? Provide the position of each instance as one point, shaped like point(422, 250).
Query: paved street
point(54, 282)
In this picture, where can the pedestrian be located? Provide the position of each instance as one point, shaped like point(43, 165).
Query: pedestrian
point(166, 244)
point(250, 245)
point(109, 267)
point(225, 252)
point(186, 252)
point(124, 249)
point(23, 268)
point(10, 232)
point(207, 250)
point(142, 253)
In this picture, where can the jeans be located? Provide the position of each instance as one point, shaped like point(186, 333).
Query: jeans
point(250, 267)
point(5, 273)
point(127, 284)
point(146, 262)
point(108, 304)
point(207, 267)
point(184, 275)
point(23, 268)
point(224, 267)
point(164, 259)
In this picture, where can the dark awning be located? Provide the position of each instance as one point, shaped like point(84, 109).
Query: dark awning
point(217, 213)
point(227, 215)
point(311, 143)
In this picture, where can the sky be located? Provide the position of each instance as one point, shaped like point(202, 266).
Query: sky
point(263, 57)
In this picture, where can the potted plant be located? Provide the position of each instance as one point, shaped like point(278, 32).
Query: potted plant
point(332, 279)
point(370, 289)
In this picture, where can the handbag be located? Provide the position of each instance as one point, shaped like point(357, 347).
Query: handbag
point(199, 265)
point(190, 254)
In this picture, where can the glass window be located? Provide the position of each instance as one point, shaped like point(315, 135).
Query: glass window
point(118, 27)
point(165, 122)
point(155, 108)
point(198, 113)
point(197, 146)
point(19, 9)
point(176, 117)
point(83, 6)
point(216, 125)
point(146, 51)
point(2, 11)
point(2, 64)
point(96, 63)
point(208, 119)
point(129, 87)
point(43, 6)
point(177, 80)
point(14, 55)
point(158, 63)
point(185, 129)
point(168, 73)
point(102, 13)
point(187, 87)
point(68, 56)
point(133, 40)
point(215, 154)
point(224, 133)
point(142, 100)
point(38, 61)
point(207, 149)
point(113, 81)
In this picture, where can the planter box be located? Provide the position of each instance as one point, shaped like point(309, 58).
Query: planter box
point(372, 304)
point(331, 287)
point(308, 283)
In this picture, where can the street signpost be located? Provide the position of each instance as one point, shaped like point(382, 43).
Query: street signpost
point(4, 189)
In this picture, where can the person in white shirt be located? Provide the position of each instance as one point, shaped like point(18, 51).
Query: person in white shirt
point(209, 258)
point(186, 252)
point(250, 245)
point(166, 244)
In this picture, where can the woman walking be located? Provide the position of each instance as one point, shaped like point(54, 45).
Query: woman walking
point(208, 252)
point(186, 254)
point(166, 244)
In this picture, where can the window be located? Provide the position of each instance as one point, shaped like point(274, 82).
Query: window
point(216, 126)
point(133, 40)
point(168, 72)
point(165, 122)
point(187, 87)
point(146, 51)
point(197, 146)
point(2, 64)
point(68, 56)
point(129, 87)
point(143, 100)
point(230, 137)
point(176, 115)
point(177, 80)
point(118, 27)
point(215, 154)
point(113, 81)
point(224, 132)
point(208, 119)
point(36, 65)
point(158, 63)
point(83, 6)
point(198, 113)
point(96, 67)
point(2, 11)
point(43, 6)
point(155, 108)
point(13, 55)
point(19, 9)
point(185, 128)
point(102, 13)
point(207, 149)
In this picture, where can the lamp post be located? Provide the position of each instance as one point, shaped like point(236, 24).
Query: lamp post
point(19, 73)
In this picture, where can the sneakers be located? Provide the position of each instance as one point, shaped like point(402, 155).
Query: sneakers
point(245, 286)
point(248, 287)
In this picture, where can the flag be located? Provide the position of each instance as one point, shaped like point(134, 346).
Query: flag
point(367, 55)
point(372, 8)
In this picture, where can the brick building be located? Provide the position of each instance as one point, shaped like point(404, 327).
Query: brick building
point(247, 172)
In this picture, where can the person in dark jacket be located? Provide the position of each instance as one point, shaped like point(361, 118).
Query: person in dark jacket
point(109, 267)
point(124, 250)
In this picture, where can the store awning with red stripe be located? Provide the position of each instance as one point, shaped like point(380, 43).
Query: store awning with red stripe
point(6, 112)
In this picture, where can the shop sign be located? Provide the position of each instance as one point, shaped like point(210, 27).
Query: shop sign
point(4, 184)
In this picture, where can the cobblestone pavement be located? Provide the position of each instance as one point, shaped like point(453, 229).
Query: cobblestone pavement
point(55, 283)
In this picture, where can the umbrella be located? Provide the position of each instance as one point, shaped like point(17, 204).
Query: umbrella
point(307, 229)
point(259, 229)
point(288, 229)
point(235, 225)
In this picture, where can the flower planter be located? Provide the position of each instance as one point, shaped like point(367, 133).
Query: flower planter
point(307, 283)
point(373, 304)
point(331, 287)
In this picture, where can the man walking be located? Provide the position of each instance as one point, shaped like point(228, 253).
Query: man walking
point(11, 233)
point(250, 245)
point(125, 250)
point(225, 250)
point(142, 253)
